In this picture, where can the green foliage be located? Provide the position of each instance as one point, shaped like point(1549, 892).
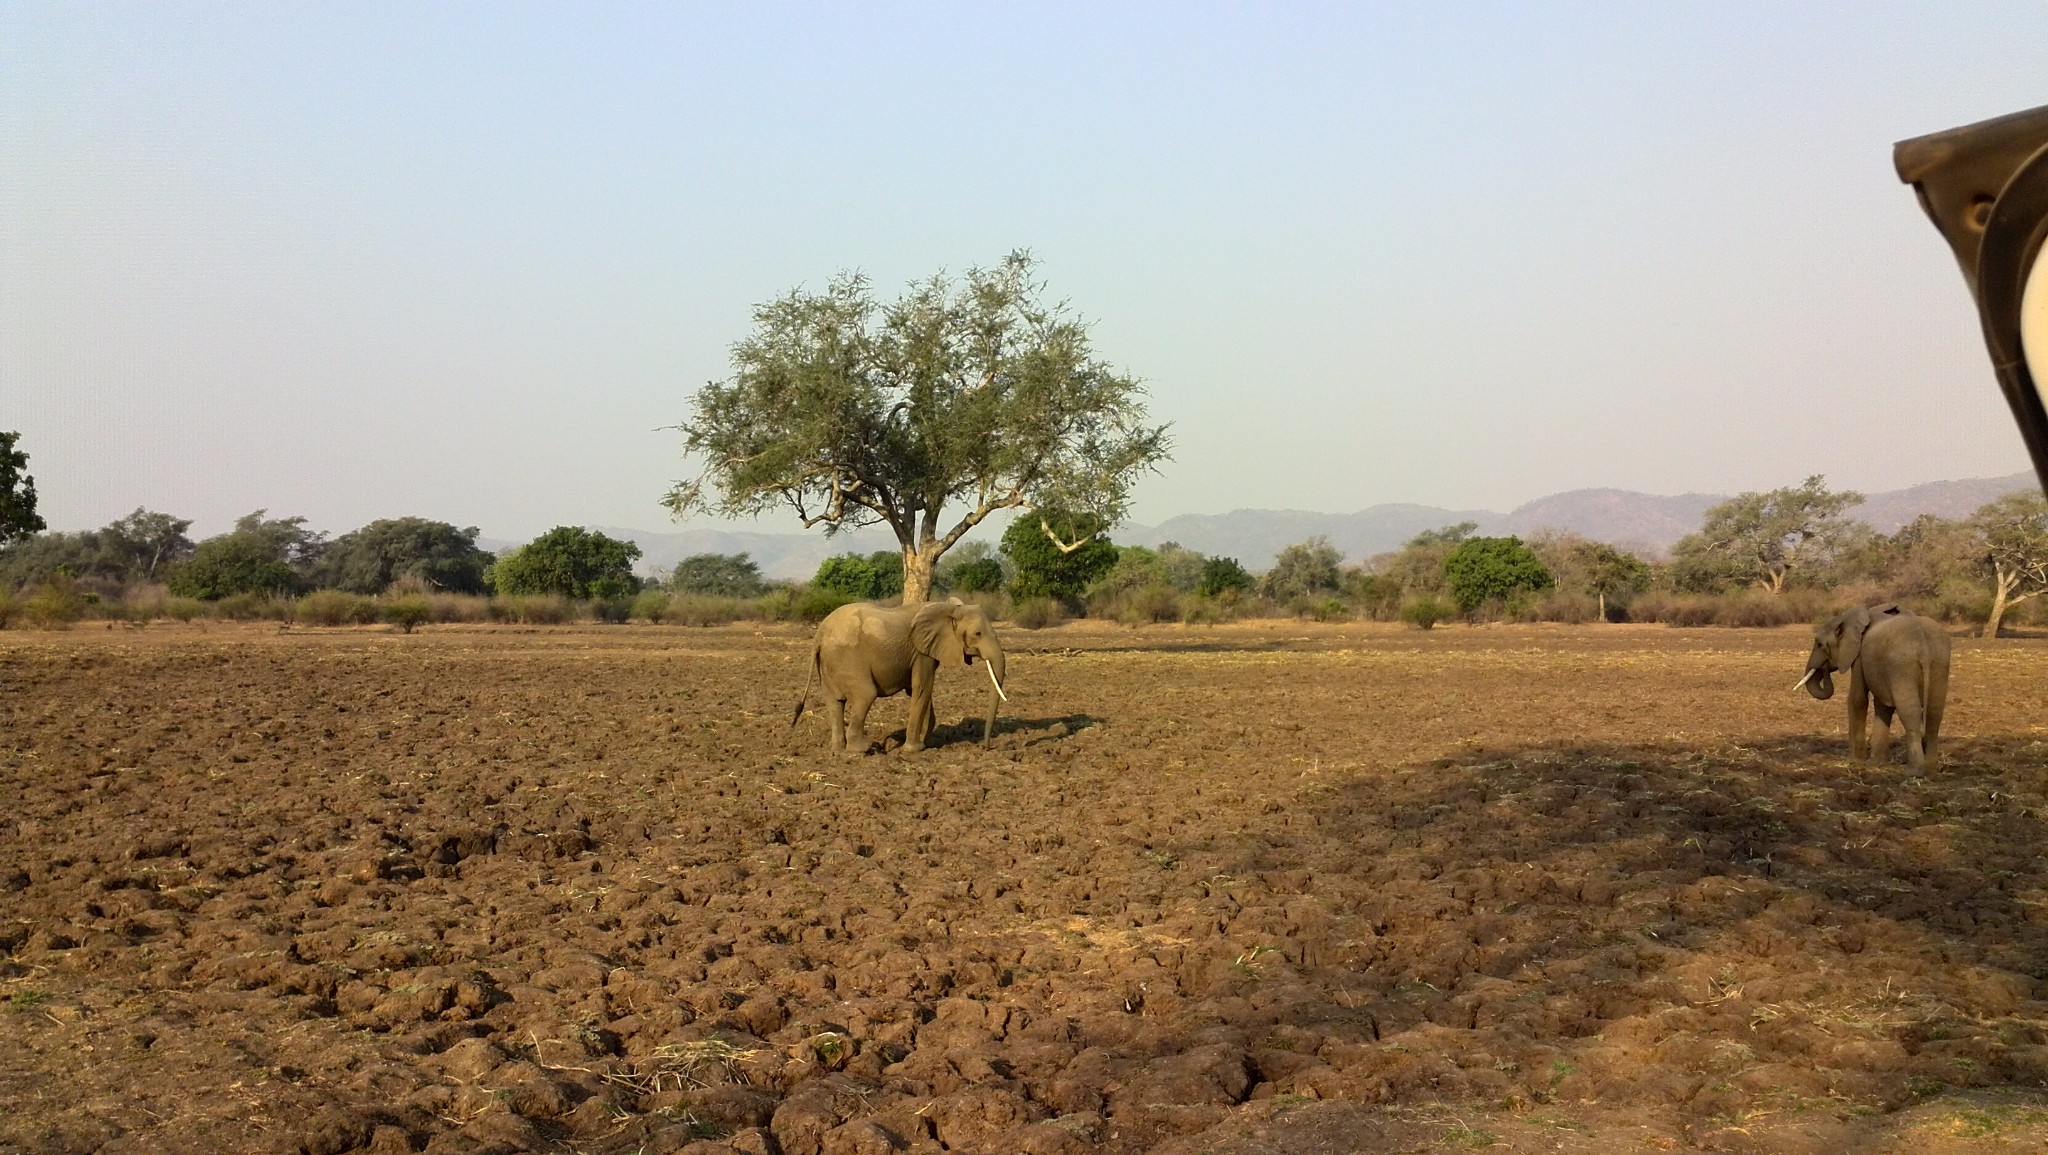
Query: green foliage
point(652, 606)
point(570, 562)
point(234, 563)
point(2014, 532)
point(138, 548)
point(1448, 535)
point(874, 577)
point(1765, 538)
point(1224, 573)
point(852, 412)
point(56, 603)
point(1593, 570)
point(1489, 569)
point(727, 575)
point(18, 517)
point(971, 567)
point(433, 553)
point(803, 604)
point(408, 613)
point(1042, 569)
point(1424, 611)
point(1376, 596)
point(1303, 573)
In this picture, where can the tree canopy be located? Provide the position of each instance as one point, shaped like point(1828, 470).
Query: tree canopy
point(876, 576)
point(728, 575)
point(1308, 569)
point(370, 559)
point(234, 563)
point(1765, 538)
point(2015, 536)
point(1042, 569)
point(973, 394)
point(1487, 569)
point(570, 561)
point(18, 517)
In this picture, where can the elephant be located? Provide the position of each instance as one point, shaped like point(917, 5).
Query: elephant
point(1894, 656)
point(866, 651)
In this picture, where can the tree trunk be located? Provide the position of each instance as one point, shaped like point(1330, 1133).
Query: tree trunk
point(917, 576)
point(2001, 585)
point(1603, 605)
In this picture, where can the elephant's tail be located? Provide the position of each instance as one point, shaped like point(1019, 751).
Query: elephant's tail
point(804, 698)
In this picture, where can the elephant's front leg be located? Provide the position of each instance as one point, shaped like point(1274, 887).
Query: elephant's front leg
point(923, 675)
point(1859, 712)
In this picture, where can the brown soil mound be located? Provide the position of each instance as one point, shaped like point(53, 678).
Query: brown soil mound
point(1245, 889)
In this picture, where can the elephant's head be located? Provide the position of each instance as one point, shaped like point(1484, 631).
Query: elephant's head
point(1837, 643)
point(952, 632)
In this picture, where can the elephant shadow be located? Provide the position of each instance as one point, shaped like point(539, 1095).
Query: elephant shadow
point(1035, 731)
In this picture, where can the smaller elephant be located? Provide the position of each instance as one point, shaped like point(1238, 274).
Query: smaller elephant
point(1894, 656)
point(866, 651)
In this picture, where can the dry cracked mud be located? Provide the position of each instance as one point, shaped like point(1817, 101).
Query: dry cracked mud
point(1257, 888)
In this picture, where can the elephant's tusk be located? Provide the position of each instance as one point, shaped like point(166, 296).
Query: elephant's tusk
point(1806, 679)
point(992, 681)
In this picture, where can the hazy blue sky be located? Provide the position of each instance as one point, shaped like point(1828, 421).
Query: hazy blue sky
point(465, 260)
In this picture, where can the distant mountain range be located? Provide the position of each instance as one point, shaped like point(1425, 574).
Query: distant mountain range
point(1646, 522)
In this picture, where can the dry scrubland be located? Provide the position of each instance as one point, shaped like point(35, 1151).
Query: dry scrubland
point(1257, 888)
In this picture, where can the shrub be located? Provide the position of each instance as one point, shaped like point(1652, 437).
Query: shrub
point(652, 606)
point(8, 610)
point(244, 563)
point(334, 608)
point(254, 607)
point(183, 609)
point(568, 562)
point(1155, 603)
point(1484, 569)
point(724, 575)
point(611, 611)
point(1305, 571)
point(407, 613)
point(435, 555)
point(1424, 611)
point(1043, 570)
point(56, 603)
point(1329, 610)
point(705, 610)
point(1038, 613)
point(458, 607)
point(1570, 608)
point(532, 609)
point(1224, 573)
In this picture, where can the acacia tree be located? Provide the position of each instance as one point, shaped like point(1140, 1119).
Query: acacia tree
point(2015, 533)
point(18, 517)
point(972, 394)
point(1763, 538)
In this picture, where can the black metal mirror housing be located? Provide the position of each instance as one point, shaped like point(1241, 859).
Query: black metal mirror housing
point(1985, 186)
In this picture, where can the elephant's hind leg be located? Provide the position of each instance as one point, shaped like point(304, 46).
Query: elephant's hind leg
point(835, 724)
point(1881, 734)
point(1913, 718)
point(858, 702)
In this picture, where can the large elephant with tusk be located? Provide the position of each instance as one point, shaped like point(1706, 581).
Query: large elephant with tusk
point(1893, 656)
point(866, 651)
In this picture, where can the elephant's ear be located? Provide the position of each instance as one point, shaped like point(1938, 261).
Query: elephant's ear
point(935, 634)
point(1849, 637)
point(1885, 610)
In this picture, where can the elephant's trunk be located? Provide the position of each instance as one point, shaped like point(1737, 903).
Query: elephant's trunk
point(1820, 679)
point(994, 662)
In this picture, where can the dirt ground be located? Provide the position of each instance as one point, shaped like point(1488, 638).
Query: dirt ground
point(1259, 888)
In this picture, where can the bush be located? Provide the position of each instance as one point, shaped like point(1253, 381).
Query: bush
point(458, 607)
point(1486, 569)
point(1038, 613)
point(335, 608)
point(1042, 570)
point(1329, 610)
point(532, 609)
point(611, 611)
point(1224, 573)
point(1424, 611)
point(183, 609)
point(1156, 603)
point(1570, 608)
point(651, 606)
point(56, 603)
point(724, 575)
point(705, 610)
point(244, 563)
point(407, 613)
point(801, 604)
point(254, 607)
point(568, 562)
